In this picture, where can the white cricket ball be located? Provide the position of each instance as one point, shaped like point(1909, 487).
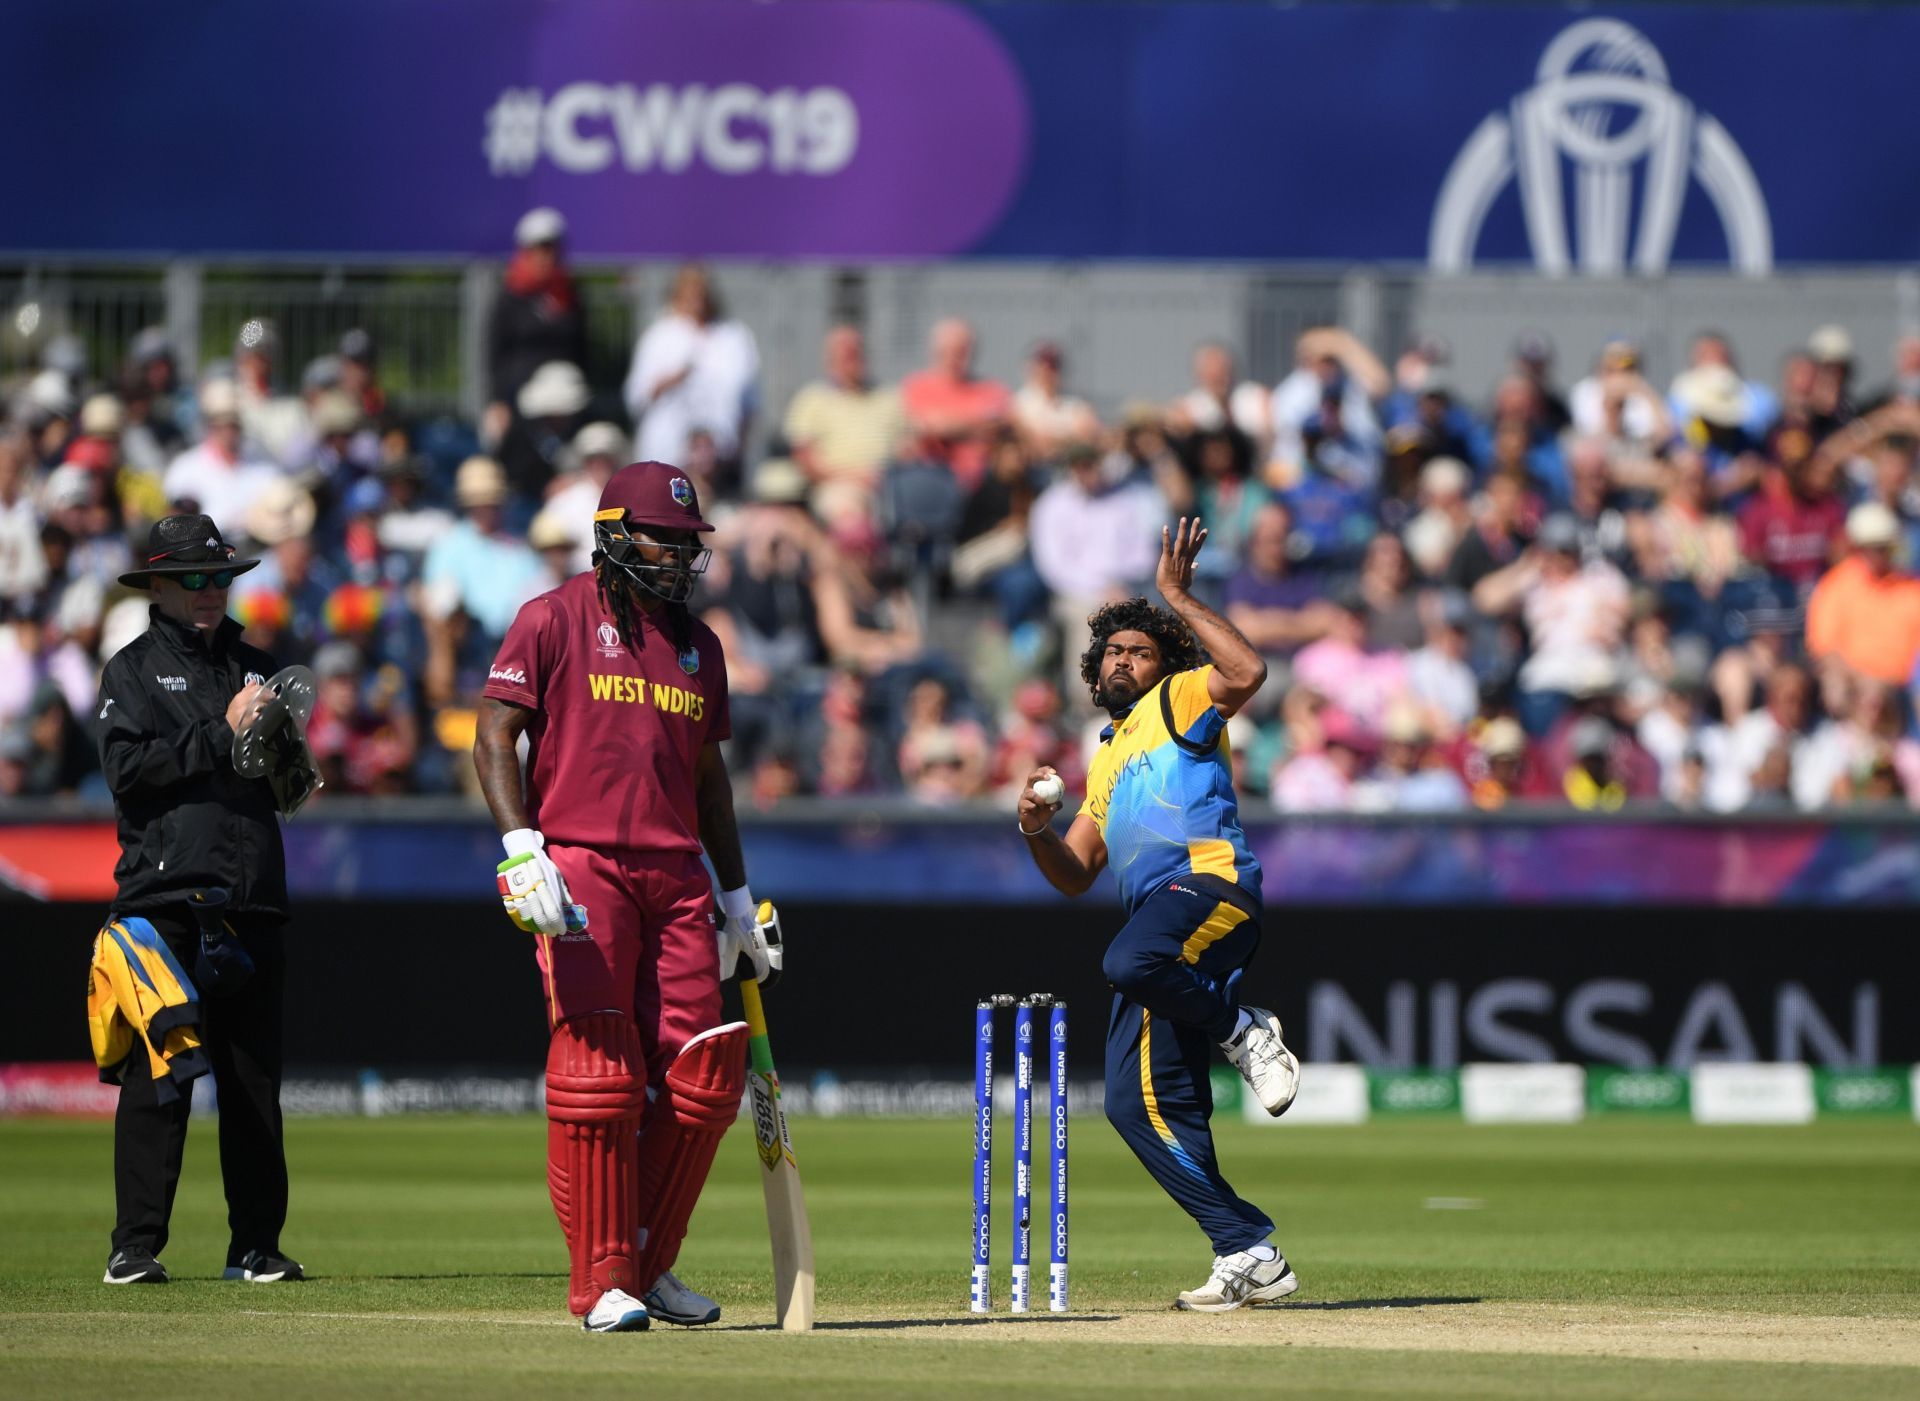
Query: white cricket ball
point(1049, 791)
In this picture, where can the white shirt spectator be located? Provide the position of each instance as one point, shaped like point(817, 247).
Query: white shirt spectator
point(1574, 624)
point(1088, 544)
point(722, 364)
point(1733, 754)
point(23, 564)
point(222, 489)
point(1443, 684)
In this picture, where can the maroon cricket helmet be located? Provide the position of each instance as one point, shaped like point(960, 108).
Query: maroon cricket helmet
point(651, 493)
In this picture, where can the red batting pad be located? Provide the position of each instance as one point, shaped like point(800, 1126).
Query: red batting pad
point(596, 1090)
point(684, 1128)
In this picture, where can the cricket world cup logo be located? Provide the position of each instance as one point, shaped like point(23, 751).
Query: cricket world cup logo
point(1602, 109)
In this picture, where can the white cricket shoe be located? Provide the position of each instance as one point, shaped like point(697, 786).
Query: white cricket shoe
point(670, 1301)
point(1240, 1278)
point(616, 1312)
point(1271, 1071)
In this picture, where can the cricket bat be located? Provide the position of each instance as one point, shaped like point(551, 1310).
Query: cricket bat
point(780, 1175)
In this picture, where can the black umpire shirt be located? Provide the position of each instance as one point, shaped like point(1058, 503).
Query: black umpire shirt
point(187, 820)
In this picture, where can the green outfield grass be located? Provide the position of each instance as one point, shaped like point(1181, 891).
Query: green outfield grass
point(1617, 1258)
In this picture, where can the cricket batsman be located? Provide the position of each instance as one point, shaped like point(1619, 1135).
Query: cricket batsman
point(622, 696)
point(1160, 810)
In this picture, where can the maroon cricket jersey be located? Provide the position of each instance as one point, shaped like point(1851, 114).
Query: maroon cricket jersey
point(617, 730)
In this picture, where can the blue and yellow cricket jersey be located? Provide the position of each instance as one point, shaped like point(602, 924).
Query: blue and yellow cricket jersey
point(1161, 792)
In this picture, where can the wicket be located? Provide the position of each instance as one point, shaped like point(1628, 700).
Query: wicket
point(983, 1040)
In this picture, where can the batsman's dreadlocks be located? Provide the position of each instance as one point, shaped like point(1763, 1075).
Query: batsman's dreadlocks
point(1178, 650)
point(619, 573)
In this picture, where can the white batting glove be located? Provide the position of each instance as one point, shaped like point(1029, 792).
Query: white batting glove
point(531, 887)
point(752, 931)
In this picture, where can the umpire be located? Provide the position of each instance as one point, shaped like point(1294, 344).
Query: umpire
point(170, 701)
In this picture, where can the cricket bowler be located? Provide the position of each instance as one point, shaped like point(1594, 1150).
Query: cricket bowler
point(1160, 811)
point(622, 696)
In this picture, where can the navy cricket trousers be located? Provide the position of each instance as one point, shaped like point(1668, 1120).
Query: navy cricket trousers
point(1174, 967)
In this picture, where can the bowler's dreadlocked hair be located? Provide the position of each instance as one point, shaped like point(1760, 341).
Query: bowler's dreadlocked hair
point(1178, 651)
point(617, 597)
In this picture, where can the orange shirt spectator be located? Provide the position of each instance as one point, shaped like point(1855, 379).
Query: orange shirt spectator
point(952, 413)
point(1862, 611)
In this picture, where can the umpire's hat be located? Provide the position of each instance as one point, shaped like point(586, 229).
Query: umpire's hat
point(185, 545)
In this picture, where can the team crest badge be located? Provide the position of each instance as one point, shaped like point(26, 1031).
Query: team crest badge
point(690, 660)
point(683, 493)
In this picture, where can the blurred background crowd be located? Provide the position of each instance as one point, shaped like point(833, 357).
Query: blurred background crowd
point(1571, 587)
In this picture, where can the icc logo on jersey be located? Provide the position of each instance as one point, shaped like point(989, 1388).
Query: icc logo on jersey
point(609, 638)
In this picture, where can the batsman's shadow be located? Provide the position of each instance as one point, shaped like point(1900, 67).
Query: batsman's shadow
point(879, 1325)
point(1409, 1302)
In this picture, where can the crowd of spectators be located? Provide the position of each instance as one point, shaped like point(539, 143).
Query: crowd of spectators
point(1585, 596)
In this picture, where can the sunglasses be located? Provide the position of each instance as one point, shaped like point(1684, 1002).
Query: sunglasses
point(199, 580)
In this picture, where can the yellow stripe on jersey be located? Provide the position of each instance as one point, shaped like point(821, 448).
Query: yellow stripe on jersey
point(1215, 927)
point(1212, 856)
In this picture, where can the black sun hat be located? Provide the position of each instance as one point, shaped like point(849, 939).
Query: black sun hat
point(185, 545)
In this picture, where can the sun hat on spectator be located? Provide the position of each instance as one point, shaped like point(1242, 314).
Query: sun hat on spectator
point(102, 417)
point(778, 481)
point(557, 390)
point(1871, 525)
point(322, 372)
point(480, 482)
point(1445, 476)
point(333, 413)
point(537, 226)
point(220, 401)
point(284, 511)
point(550, 531)
point(50, 394)
point(1713, 393)
point(601, 439)
point(1503, 738)
point(1830, 345)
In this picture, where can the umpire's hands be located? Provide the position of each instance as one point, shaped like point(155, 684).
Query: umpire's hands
point(531, 887)
point(752, 931)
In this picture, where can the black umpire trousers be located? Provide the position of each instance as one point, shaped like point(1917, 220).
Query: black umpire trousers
point(241, 1034)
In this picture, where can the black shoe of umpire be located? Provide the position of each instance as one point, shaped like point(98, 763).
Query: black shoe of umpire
point(135, 1265)
point(258, 1267)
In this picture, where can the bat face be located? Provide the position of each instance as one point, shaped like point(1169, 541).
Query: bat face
point(791, 1236)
